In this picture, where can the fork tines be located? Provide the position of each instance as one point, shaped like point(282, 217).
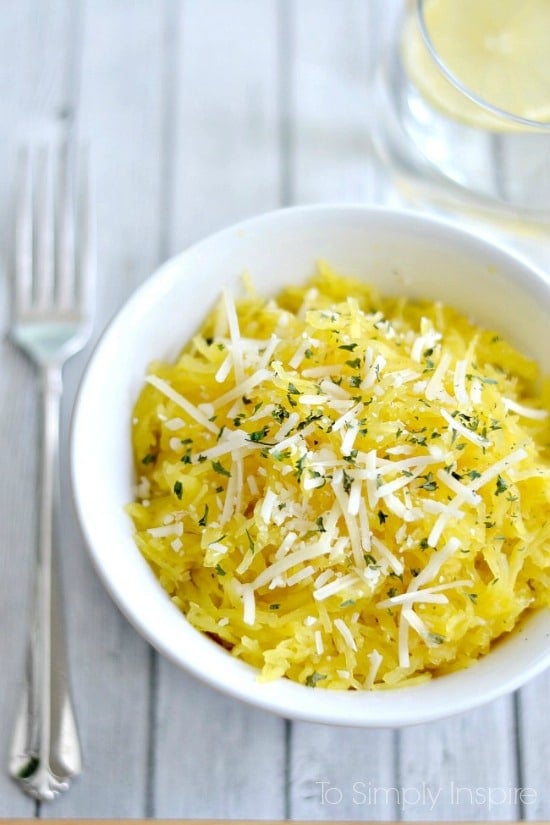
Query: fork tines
point(54, 244)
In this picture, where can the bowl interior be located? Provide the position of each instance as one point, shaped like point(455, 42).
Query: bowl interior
point(401, 254)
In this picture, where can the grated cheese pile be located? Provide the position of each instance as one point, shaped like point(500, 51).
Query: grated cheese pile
point(346, 490)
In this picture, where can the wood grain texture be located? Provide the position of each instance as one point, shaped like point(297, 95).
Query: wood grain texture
point(342, 774)
point(330, 63)
point(215, 756)
point(202, 112)
point(224, 126)
point(449, 767)
point(534, 748)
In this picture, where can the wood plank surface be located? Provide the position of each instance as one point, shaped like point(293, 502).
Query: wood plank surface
point(534, 748)
point(461, 768)
point(200, 113)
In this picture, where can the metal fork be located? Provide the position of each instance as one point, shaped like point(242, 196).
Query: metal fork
point(52, 317)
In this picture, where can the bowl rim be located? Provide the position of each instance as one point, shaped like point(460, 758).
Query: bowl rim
point(267, 697)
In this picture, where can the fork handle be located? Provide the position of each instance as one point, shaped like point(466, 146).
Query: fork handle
point(45, 750)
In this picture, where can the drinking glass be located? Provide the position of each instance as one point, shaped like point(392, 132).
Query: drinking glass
point(462, 103)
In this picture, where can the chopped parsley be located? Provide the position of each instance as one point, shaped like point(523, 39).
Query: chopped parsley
point(178, 489)
point(370, 561)
point(429, 484)
point(279, 413)
point(219, 468)
point(347, 481)
point(314, 678)
point(258, 435)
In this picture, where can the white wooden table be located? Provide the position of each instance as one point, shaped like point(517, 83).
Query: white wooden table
point(202, 112)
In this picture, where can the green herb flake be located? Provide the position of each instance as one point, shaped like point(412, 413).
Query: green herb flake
point(348, 347)
point(251, 545)
point(429, 484)
point(219, 570)
point(320, 525)
point(279, 413)
point(29, 768)
point(382, 517)
point(300, 466)
point(355, 364)
point(370, 561)
point(280, 455)
point(501, 486)
point(313, 678)
point(472, 597)
point(347, 480)
point(219, 468)
point(292, 390)
point(348, 603)
point(435, 639)
point(258, 435)
point(204, 518)
point(148, 459)
point(352, 457)
point(178, 489)
point(274, 606)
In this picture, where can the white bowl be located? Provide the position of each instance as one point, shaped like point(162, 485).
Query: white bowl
point(401, 253)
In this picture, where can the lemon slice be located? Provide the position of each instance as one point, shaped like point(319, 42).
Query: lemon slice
point(497, 49)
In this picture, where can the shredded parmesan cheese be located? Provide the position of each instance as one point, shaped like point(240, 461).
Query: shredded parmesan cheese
point(345, 490)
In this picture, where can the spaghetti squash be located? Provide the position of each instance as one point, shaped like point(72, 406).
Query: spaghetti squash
point(347, 490)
